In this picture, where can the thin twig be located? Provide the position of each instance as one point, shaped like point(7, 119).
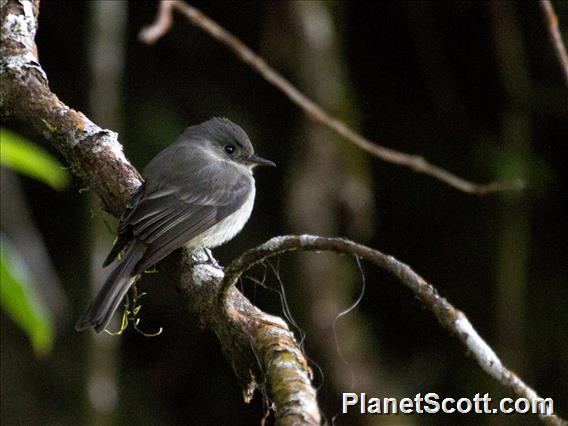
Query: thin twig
point(555, 35)
point(417, 163)
point(452, 319)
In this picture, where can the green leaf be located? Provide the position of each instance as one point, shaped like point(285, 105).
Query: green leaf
point(20, 301)
point(29, 159)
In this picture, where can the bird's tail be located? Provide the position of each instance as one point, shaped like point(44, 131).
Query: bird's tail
point(100, 311)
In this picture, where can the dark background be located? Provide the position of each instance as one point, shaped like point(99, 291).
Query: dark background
point(474, 87)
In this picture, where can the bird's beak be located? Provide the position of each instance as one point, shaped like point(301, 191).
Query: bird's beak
point(255, 160)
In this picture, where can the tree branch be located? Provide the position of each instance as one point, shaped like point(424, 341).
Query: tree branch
point(449, 317)
point(555, 36)
point(261, 349)
point(417, 163)
point(94, 154)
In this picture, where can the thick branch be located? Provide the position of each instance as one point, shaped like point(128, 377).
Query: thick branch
point(414, 162)
point(93, 153)
point(452, 319)
point(261, 349)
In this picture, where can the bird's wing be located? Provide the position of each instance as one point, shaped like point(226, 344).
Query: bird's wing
point(167, 217)
point(123, 231)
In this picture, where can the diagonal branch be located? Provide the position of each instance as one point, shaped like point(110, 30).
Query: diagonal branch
point(261, 349)
point(555, 36)
point(452, 319)
point(93, 153)
point(417, 163)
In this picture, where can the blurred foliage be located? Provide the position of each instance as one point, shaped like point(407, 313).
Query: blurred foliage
point(19, 297)
point(26, 158)
point(20, 301)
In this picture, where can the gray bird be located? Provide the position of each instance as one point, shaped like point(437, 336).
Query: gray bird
point(198, 192)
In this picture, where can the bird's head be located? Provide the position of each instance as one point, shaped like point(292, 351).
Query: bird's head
point(226, 141)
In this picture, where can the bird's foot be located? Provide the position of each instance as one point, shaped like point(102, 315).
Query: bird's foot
point(208, 259)
point(212, 260)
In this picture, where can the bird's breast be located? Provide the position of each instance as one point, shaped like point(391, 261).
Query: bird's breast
point(227, 228)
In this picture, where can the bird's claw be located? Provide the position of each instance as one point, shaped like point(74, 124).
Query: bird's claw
point(212, 260)
point(209, 261)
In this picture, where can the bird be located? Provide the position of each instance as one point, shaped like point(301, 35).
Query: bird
point(198, 192)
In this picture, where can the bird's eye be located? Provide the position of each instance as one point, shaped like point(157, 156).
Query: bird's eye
point(229, 149)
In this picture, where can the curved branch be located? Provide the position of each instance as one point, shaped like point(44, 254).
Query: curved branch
point(449, 317)
point(417, 163)
point(260, 348)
